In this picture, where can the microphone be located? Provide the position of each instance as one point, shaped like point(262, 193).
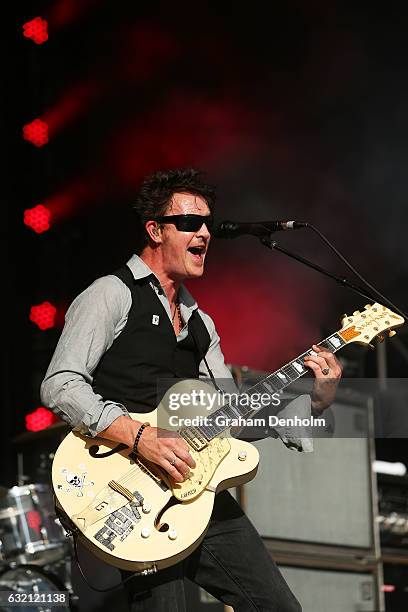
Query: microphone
point(233, 229)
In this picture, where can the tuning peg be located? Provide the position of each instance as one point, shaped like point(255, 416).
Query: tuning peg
point(367, 306)
point(392, 333)
point(380, 338)
point(356, 312)
point(372, 347)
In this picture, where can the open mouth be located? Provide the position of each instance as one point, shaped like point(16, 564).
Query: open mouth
point(197, 253)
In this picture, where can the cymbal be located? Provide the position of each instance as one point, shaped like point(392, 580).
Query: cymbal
point(33, 436)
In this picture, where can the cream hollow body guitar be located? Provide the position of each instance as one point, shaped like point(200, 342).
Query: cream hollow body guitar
point(129, 513)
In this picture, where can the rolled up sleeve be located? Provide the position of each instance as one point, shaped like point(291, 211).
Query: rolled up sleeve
point(93, 321)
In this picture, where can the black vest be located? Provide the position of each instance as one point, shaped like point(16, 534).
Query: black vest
point(146, 351)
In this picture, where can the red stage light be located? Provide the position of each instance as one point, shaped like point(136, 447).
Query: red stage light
point(41, 418)
point(38, 218)
point(36, 132)
point(43, 315)
point(36, 29)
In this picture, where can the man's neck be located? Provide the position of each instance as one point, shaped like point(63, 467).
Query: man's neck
point(170, 285)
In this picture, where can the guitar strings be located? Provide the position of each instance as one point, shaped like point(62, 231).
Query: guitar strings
point(135, 476)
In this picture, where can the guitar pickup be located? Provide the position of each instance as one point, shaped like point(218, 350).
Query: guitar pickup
point(194, 438)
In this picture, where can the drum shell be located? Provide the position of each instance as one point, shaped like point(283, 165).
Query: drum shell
point(31, 579)
point(29, 529)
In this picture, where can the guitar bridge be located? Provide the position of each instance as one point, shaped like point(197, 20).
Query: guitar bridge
point(122, 490)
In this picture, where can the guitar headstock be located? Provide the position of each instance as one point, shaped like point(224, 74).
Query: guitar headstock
point(375, 319)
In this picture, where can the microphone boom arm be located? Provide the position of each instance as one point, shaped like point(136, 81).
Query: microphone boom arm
point(273, 245)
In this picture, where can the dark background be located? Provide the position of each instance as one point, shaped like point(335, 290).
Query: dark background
point(298, 112)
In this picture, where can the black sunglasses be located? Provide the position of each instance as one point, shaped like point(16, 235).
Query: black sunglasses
point(188, 223)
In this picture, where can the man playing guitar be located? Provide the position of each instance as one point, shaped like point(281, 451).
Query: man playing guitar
point(129, 329)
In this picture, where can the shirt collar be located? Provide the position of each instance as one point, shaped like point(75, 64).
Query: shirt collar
point(141, 270)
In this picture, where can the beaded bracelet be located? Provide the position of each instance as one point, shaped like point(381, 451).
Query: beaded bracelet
point(139, 433)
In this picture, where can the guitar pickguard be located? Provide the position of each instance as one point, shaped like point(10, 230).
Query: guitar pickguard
point(207, 460)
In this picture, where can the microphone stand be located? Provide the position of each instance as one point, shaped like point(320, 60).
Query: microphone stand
point(273, 245)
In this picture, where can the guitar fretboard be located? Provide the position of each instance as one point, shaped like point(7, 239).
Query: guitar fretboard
point(273, 383)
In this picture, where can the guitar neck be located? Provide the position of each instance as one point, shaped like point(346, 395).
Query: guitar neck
point(359, 327)
point(295, 369)
point(273, 383)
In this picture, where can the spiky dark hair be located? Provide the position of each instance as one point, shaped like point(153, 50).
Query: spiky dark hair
point(157, 190)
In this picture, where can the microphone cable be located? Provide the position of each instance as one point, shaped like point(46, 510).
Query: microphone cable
point(352, 269)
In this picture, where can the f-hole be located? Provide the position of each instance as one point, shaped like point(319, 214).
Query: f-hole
point(163, 527)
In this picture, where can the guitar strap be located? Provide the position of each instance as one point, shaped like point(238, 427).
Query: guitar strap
point(200, 351)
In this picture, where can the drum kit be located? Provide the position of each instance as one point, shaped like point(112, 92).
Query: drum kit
point(35, 554)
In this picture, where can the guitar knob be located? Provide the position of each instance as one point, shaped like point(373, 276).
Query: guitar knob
point(242, 455)
point(146, 508)
point(145, 533)
point(392, 333)
point(172, 534)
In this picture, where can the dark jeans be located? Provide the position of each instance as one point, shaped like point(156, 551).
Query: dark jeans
point(231, 563)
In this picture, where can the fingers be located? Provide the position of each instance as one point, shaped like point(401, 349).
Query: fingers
point(327, 371)
point(176, 468)
point(168, 450)
point(324, 363)
point(183, 452)
point(330, 358)
point(180, 462)
point(316, 366)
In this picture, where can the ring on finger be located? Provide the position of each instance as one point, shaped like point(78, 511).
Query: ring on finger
point(325, 371)
point(173, 461)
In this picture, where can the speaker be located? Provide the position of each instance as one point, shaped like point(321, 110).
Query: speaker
point(323, 497)
point(332, 591)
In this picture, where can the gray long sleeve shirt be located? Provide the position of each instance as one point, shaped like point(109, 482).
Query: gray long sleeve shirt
point(92, 323)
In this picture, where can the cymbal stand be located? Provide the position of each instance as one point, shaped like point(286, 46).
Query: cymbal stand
point(21, 477)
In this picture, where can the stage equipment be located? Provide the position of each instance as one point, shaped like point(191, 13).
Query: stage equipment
point(319, 510)
point(393, 511)
point(29, 529)
point(44, 587)
point(396, 585)
point(321, 590)
point(324, 497)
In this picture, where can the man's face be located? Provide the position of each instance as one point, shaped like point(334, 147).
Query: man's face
point(184, 252)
